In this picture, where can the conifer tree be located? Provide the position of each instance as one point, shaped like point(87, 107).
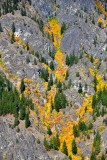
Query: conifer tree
point(67, 75)
point(52, 66)
point(46, 144)
point(12, 38)
point(16, 122)
point(49, 86)
point(51, 80)
point(55, 144)
point(22, 113)
point(63, 28)
point(93, 156)
point(49, 131)
point(22, 86)
point(75, 131)
point(97, 143)
point(64, 148)
point(13, 27)
point(35, 63)
point(59, 101)
point(27, 122)
point(27, 60)
point(74, 147)
point(67, 60)
point(80, 88)
point(1, 29)
point(102, 157)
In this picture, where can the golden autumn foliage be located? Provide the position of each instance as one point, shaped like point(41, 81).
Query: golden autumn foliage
point(19, 41)
point(102, 10)
point(100, 20)
point(27, 91)
point(6, 70)
point(28, 80)
point(101, 128)
point(87, 105)
point(92, 72)
point(54, 29)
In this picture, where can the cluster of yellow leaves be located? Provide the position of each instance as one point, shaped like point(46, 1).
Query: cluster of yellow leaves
point(101, 128)
point(102, 9)
point(19, 41)
point(61, 73)
point(15, 78)
point(99, 6)
point(27, 91)
point(92, 72)
point(28, 80)
point(54, 29)
point(37, 92)
point(96, 61)
point(59, 57)
point(10, 75)
point(87, 106)
point(46, 67)
point(67, 135)
point(100, 20)
point(45, 85)
point(48, 105)
point(101, 84)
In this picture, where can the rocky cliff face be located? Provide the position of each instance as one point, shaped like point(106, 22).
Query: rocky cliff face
point(22, 145)
point(58, 48)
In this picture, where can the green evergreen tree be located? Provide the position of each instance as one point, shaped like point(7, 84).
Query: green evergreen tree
point(52, 36)
point(57, 139)
point(22, 113)
point(52, 66)
point(67, 75)
point(55, 143)
point(95, 83)
point(80, 88)
point(59, 101)
point(75, 131)
point(49, 131)
point(82, 126)
point(16, 122)
point(64, 148)
point(1, 29)
point(51, 80)
point(102, 157)
point(27, 59)
point(74, 147)
point(22, 86)
point(63, 28)
point(35, 63)
point(27, 46)
point(13, 27)
point(93, 156)
point(27, 122)
point(49, 86)
point(12, 39)
point(44, 74)
point(46, 144)
point(97, 143)
point(91, 59)
point(67, 60)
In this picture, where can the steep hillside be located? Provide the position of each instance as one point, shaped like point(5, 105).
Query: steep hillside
point(53, 80)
